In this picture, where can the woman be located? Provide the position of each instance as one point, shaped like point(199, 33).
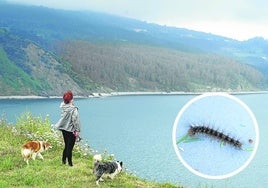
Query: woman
point(69, 124)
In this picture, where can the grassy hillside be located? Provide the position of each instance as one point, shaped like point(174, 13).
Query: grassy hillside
point(13, 80)
point(50, 172)
point(27, 69)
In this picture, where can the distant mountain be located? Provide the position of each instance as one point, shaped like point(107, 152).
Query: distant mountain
point(84, 50)
point(44, 25)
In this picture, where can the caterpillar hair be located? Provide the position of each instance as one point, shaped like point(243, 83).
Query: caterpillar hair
point(220, 136)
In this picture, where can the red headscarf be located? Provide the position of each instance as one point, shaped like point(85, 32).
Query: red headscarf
point(67, 97)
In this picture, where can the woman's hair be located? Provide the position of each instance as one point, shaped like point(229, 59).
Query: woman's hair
point(67, 97)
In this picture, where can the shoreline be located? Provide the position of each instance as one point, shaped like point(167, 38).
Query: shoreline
point(100, 95)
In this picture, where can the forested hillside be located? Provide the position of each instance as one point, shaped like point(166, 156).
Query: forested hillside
point(46, 51)
point(130, 67)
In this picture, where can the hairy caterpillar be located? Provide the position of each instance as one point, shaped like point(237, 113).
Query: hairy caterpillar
point(195, 130)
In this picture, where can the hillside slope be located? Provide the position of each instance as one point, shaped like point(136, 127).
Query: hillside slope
point(131, 67)
point(54, 50)
point(50, 172)
point(45, 26)
point(26, 69)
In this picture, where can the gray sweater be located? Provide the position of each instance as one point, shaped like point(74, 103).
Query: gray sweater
point(69, 120)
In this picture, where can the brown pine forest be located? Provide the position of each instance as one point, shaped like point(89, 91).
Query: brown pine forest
point(134, 67)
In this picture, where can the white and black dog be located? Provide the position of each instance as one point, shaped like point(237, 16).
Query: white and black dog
point(105, 169)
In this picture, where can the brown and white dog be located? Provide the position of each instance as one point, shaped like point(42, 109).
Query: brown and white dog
point(33, 149)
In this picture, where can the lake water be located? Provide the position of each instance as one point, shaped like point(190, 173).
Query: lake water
point(138, 130)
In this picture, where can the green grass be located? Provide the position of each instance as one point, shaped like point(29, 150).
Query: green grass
point(50, 172)
point(13, 79)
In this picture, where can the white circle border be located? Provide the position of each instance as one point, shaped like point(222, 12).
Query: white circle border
point(176, 124)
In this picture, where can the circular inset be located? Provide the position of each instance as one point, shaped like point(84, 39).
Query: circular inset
point(215, 135)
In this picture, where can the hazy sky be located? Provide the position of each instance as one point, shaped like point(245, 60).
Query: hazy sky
point(238, 19)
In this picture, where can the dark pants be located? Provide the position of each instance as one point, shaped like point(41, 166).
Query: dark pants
point(69, 141)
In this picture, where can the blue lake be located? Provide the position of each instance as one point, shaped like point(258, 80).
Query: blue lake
point(138, 130)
